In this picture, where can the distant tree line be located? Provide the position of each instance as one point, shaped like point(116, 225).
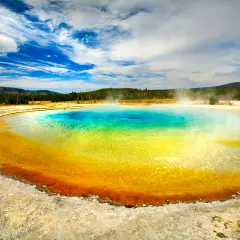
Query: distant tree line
point(8, 98)
point(102, 94)
point(228, 93)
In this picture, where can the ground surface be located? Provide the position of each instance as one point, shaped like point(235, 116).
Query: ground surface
point(26, 213)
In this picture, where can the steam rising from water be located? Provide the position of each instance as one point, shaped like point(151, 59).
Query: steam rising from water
point(187, 96)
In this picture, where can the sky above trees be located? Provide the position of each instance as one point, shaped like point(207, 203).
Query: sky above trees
point(77, 45)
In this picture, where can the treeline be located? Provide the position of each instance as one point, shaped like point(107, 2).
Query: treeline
point(102, 94)
point(227, 92)
point(8, 98)
point(126, 94)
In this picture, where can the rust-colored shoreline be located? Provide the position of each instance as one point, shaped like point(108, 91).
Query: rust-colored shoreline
point(52, 185)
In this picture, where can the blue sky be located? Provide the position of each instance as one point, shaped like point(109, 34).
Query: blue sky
point(77, 45)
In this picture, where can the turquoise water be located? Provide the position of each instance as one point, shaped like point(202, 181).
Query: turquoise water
point(121, 118)
point(127, 118)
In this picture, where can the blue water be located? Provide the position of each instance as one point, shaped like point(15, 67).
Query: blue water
point(127, 118)
point(121, 118)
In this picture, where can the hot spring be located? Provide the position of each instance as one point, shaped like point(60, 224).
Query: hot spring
point(127, 155)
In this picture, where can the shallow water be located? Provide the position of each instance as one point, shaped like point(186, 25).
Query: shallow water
point(133, 155)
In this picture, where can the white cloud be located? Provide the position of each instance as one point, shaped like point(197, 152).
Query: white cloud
point(36, 66)
point(83, 55)
point(78, 52)
point(225, 70)
point(171, 27)
point(56, 69)
point(51, 83)
point(7, 44)
point(112, 68)
point(21, 30)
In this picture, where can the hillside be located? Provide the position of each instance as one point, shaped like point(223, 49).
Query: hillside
point(11, 90)
point(19, 96)
point(227, 91)
point(229, 85)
